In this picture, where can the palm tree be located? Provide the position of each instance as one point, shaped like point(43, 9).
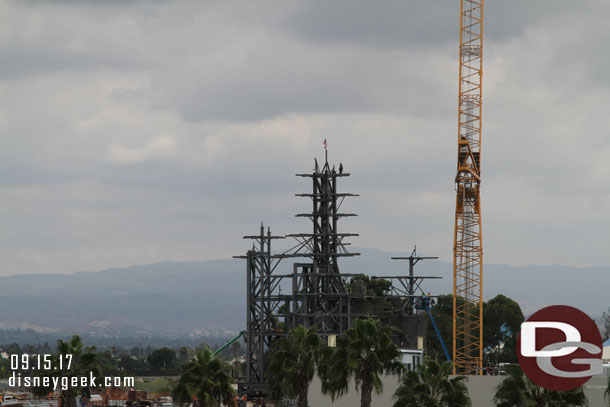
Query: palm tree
point(516, 390)
point(82, 364)
point(430, 386)
point(206, 377)
point(363, 353)
point(293, 363)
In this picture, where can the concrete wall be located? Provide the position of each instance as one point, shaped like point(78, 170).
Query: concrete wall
point(352, 398)
point(480, 388)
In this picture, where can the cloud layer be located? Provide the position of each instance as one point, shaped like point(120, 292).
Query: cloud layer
point(141, 131)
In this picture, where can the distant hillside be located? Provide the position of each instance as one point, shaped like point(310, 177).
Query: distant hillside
point(174, 297)
point(532, 286)
point(201, 296)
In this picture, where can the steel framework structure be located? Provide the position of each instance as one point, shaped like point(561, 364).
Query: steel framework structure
point(261, 286)
point(414, 282)
point(467, 249)
point(320, 297)
point(315, 293)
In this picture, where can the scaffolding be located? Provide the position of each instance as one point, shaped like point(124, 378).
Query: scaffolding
point(315, 293)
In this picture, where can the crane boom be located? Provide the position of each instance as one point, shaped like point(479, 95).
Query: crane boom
point(467, 247)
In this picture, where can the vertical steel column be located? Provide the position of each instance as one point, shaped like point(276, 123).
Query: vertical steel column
point(262, 305)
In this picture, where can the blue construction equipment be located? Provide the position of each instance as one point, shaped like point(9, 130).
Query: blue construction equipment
point(438, 334)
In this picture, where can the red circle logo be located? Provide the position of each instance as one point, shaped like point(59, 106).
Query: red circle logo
point(560, 348)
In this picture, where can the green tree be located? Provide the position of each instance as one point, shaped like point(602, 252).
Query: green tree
point(183, 353)
point(206, 377)
point(84, 363)
point(516, 390)
point(373, 285)
point(163, 358)
point(13, 349)
point(606, 323)
point(293, 363)
point(45, 348)
point(107, 363)
point(430, 386)
point(363, 353)
point(502, 318)
point(132, 366)
point(443, 315)
point(5, 368)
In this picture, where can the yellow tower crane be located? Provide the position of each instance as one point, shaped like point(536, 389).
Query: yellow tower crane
point(467, 246)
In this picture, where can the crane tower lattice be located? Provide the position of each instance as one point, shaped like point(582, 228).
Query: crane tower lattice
point(467, 248)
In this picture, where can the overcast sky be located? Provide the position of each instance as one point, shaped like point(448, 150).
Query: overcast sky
point(135, 132)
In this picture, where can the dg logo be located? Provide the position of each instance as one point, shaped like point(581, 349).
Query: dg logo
point(560, 348)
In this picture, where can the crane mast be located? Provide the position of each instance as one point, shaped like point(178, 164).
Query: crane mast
point(467, 246)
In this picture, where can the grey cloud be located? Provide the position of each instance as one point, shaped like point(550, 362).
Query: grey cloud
point(20, 62)
point(97, 3)
point(245, 95)
point(280, 78)
point(404, 24)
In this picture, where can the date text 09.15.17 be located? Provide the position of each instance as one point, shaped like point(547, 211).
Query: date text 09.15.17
point(41, 362)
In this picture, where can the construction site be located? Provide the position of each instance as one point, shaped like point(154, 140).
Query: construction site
point(275, 204)
point(318, 293)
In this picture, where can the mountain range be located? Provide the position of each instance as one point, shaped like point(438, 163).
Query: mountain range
point(210, 296)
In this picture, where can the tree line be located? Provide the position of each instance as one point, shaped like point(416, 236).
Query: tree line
point(501, 324)
point(137, 361)
point(361, 356)
point(365, 352)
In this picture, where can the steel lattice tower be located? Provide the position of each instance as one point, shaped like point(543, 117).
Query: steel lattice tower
point(263, 301)
point(467, 248)
point(316, 293)
point(321, 298)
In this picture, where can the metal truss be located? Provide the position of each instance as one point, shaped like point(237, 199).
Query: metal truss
point(316, 294)
point(468, 250)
